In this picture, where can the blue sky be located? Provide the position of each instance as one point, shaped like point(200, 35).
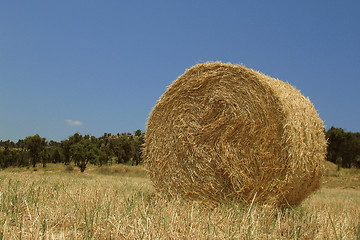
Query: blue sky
point(100, 66)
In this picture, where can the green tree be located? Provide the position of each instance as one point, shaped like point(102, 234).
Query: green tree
point(116, 147)
point(35, 144)
point(65, 146)
point(20, 144)
point(343, 147)
point(45, 156)
point(56, 156)
point(84, 152)
point(103, 158)
point(138, 133)
point(5, 156)
point(138, 144)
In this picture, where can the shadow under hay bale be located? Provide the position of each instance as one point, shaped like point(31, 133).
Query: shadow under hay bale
point(223, 132)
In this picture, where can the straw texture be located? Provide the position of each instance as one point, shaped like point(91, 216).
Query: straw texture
point(224, 132)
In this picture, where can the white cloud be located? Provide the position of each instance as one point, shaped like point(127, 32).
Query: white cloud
point(74, 123)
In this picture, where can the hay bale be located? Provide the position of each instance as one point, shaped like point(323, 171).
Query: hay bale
point(224, 132)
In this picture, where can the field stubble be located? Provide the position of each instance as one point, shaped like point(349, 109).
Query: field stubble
point(120, 203)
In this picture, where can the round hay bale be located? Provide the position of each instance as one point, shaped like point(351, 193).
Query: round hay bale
point(225, 132)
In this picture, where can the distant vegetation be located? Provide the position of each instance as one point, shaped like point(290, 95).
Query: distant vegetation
point(124, 148)
point(343, 147)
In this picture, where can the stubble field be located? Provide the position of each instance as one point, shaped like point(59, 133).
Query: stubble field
point(119, 202)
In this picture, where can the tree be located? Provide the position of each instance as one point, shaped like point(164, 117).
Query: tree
point(5, 157)
point(45, 156)
point(138, 133)
point(84, 152)
point(65, 146)
point(35, 144)
point(343, 147)
point(139, 143)
point(103, 158)
point(20, 144)
point(335, 138)
point(56, 156)
point(117, 149)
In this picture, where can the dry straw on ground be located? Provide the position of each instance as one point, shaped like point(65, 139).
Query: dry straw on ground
point(223, 132)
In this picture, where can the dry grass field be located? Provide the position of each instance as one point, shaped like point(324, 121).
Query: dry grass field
point(119, 202)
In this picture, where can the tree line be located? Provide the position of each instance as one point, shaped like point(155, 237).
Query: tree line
point(125, 148)
point(78, 149)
